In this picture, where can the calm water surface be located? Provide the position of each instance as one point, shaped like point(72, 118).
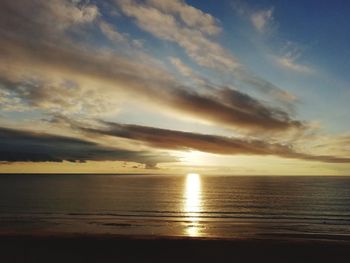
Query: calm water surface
point(186, 205)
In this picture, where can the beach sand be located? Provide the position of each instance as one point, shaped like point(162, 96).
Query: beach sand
point(110, 248)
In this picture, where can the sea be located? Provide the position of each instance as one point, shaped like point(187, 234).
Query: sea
point(189, 205)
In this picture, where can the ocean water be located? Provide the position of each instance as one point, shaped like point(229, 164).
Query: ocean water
point(182, 205)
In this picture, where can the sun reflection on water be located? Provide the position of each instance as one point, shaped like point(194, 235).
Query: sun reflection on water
point(192, 205)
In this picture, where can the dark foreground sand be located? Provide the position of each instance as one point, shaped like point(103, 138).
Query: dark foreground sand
point(98, 248)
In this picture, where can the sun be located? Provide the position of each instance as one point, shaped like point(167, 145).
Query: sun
point(192, 157)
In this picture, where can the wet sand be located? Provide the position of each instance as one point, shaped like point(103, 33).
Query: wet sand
point(107, 248)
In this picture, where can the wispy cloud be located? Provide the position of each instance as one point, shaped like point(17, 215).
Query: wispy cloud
point(289, 56)
point(190, 16)
point(290, 63)
point(62, 70)
point(261, 19)
point(291, 53)
point(181, 67)
point(160, 19)
point(186, 71)
point(111, 32)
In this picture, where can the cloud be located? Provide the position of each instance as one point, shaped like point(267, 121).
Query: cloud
point(266, 87)
point(181, 67)
point(111, 32)
point(26, 146)
point(54, 72)
point(51, 62)
point(160, 19)
point(10, 103)
point(337, 144)
point(50, 17)
point(178, 140)
point(190, 16)
point(289, 62)
point(288, 58)
point(53, 96)
point(224, 106)
point(149, 83)
point(233, 108)
point(261, 19)
point(72, 77)
point(186, 71)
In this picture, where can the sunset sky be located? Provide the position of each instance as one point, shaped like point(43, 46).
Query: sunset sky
point(173, 86)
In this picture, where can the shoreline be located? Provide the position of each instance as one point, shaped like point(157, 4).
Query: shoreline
point(57, 247)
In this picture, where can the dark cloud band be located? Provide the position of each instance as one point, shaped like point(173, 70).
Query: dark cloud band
point(178, 140)
point(25, 146)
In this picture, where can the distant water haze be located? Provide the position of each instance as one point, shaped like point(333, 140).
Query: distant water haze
point(182, 205)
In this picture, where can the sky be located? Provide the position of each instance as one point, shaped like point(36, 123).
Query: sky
point(172, 86)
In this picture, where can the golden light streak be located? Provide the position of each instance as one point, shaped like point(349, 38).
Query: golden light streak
point(192, 205)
